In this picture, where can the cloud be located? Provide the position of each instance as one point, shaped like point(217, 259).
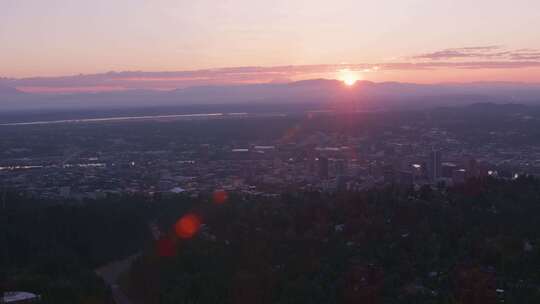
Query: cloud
point(464, 58)
point(491, 52)
point(473, 65)
point(526, 55)
point(178, 79)
point(479, 48)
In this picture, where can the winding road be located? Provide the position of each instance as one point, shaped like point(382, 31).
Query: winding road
point(110, 274)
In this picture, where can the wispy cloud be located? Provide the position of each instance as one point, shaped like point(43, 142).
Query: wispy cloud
point(464, 58)
point(526, 55)
point(465, 52)
point(492, 52)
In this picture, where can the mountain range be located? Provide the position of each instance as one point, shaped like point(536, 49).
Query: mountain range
point(324, 93)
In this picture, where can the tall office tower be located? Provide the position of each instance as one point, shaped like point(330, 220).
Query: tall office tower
point(311, 160)
point(434, 165)
point(341, 167)
point(323, 167)
point(472, 167)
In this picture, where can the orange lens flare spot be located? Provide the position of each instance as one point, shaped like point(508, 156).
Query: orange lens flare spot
point(220, 197)
point(187, 226)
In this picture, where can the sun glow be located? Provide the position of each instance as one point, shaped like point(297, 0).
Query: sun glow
point(348, 77)
point(350, 81)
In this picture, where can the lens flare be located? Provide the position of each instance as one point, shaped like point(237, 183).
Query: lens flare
point(220, 197)
point(187, 226)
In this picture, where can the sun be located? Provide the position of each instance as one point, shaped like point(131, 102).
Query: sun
point(348, 77)
point(350, 81)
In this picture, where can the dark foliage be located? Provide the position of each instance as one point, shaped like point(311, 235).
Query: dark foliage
point(53, 249)
point(477, 243)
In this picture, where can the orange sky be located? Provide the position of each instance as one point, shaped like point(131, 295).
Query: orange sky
point(410, 40)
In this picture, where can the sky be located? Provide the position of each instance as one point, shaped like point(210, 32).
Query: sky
point(421, 41)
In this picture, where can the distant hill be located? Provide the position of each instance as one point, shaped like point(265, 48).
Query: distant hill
point(364, 95)
point(6, 91)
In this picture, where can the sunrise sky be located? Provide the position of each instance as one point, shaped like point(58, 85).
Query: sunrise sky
point(221, 41)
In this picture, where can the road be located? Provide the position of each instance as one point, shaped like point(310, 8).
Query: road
point(112, 271)
point(110, 274)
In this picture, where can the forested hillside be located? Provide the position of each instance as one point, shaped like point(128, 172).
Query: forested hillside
point(52, 249)
point(477, 243)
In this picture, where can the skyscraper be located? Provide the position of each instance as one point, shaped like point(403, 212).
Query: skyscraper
point(434, 165)
point(341, 167)
point(323, 167)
